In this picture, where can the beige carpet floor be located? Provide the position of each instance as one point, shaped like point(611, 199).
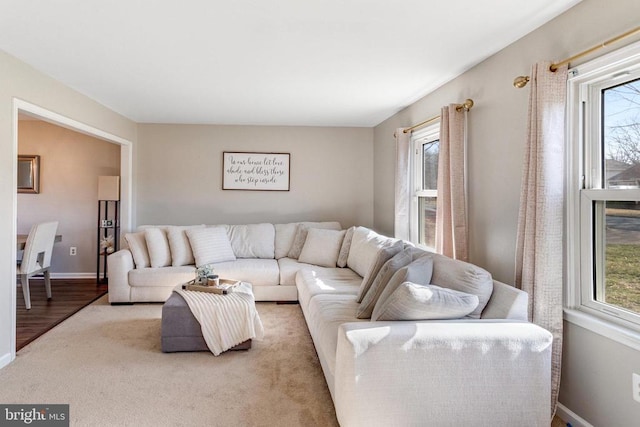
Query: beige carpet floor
point(107, 364)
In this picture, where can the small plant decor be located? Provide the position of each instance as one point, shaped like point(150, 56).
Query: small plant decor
point(204, 271)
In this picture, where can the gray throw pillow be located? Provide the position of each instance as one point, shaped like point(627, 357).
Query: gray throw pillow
point(398, 261)
point(409, 265)
point(384, 254)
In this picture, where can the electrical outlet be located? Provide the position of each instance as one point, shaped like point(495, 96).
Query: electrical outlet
point(635, 378)
point(73, 251)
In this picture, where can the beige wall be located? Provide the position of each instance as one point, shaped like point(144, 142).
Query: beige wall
point(70, 165)
point(497, 126)
point(179, 178)
point(18, 80)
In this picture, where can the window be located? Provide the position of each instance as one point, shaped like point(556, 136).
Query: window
point(604, 188)
point(426, 144)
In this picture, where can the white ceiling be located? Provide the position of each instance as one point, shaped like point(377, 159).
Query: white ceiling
point(272, 62)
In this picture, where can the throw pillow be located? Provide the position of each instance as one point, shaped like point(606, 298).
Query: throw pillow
point(210, 245)
point(411, 301)
point(398, 261)
point(158, 247)
point(344, 249)
point(364, 248)
point(383, 255)
point(286, 233)
point(322, 247)
point(464, 277)
point(298, 241)
point(419, 271)
point(181, 253)
point(138, 247)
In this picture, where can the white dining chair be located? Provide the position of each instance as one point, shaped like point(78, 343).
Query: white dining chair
point(36, 258)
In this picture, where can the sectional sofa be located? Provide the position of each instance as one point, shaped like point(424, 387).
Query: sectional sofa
point(404, 336)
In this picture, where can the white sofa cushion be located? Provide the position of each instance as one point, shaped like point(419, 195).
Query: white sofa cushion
point(419, 271)
point(258, 272)
point(464, 277)
point(181, 253)
point(252, 240)
point(364, 249)
point(318, 281)
point(163, 276)
point(289, 267)
point(388, 270)
point(210, 245)
point(158, 247)
point(285, 234)
point(325, 314)
point(138, 247)
point(322, 247)
point(411, 301)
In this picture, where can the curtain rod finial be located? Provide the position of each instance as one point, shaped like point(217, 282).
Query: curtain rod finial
point(520, 81)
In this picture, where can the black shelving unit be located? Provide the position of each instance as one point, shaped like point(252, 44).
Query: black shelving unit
point(108, 225)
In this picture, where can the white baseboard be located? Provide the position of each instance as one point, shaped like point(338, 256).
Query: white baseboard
point(571, 417)
point(5, 360)
point(73, 275)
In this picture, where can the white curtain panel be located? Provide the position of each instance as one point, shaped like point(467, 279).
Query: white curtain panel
point(451, 206)
point(540, 221)
point(402, 185)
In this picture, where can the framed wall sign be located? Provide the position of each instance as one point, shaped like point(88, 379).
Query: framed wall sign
point(255, 171)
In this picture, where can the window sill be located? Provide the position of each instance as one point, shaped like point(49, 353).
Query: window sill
point(607, 329)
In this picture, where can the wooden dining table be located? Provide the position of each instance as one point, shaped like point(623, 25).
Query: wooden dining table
point(22, 240)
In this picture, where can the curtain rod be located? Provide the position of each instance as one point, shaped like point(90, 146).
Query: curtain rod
point(466, 106)
point(521, 81)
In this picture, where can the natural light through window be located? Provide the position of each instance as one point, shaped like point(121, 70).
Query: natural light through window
point(605, 168)
point(426, 144)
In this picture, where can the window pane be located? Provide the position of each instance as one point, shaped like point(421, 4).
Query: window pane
point(427, 221)
point(621, 276)
point(430, 165)
point(621, 135)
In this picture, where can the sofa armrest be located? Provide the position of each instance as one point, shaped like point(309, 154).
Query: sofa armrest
point(443, 373)
point(118, 266)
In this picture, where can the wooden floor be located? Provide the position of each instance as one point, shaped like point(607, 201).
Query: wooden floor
point(68, 297)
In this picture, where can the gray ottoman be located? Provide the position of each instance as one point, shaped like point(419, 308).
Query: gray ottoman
point(180, 329)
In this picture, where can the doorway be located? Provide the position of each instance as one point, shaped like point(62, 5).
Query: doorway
point(126, 148)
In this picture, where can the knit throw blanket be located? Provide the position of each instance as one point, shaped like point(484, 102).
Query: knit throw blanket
point(226, 320)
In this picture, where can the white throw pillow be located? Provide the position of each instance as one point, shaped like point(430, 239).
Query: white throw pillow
point(286, 235)
point(383, 255)
point(181, 253)
point(364, 249)
point(158, 247)
point(138, 247)
point(344, 249)
point(464, 277)
point(398, 261)
point(322, 247)
point(418, 271)
point(210, 245)
point(411, 301)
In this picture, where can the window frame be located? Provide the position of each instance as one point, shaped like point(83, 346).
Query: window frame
point(418, 138)
point(584, 187)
